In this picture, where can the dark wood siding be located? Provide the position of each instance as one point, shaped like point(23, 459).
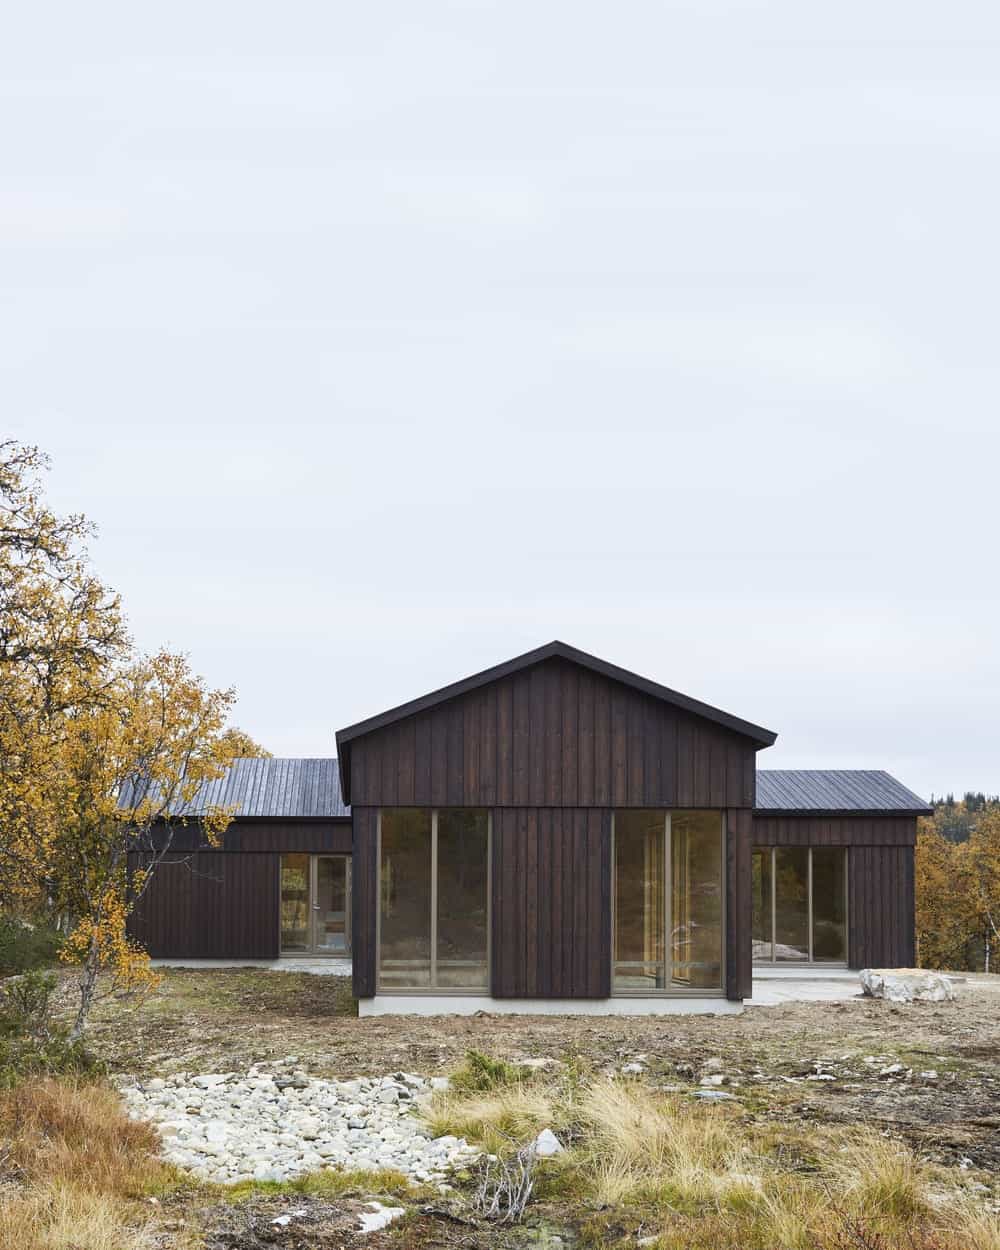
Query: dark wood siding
point(555, 735)
point(834, 830)
point(364, 900)
point(287, 836)
point(880, 876)
point(739, 848)
point(880, 891)
point(276, 835)
point(212, 905)
point(551, 882)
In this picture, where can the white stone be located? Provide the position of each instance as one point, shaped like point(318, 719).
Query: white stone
point(546, 1144)
point(906, 985)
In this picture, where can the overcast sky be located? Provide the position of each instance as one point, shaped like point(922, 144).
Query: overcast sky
point(386, 341)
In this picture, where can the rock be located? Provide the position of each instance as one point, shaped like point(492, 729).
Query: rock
point(712, 1065)
point(546, 1144)
point(715, 1079)
point(892, 1070)
point(536, 1065)
point(906, 985)
point(633, 1069)
point(712, 1095)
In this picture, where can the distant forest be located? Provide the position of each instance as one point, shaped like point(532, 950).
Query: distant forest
point(955, 819)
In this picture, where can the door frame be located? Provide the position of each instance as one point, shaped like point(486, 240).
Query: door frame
point(313, 951)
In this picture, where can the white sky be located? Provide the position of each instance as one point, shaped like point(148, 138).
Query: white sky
point(385, 342)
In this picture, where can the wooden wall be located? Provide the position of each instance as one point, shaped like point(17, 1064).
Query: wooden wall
point(880, 877)
point(364, 900)
point(790, 829)
point(551, 881)
point(739, 902)
point(259, 834)
point(880, 891)
point(213, 905)
point(555, 735)
point(551, 903)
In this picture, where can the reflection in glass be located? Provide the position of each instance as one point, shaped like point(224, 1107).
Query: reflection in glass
point(760, 886)
point(462, 863)
point(829, 905)
point(791, 903)
point(696, 896)
point(640, 903)
point(294, 903)
point(331, 904)
point(405, 898)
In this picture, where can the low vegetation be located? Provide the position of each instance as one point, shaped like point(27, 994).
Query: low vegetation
point(641, 1162)
point(75, 1169)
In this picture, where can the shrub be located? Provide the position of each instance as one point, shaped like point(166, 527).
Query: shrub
point(25, 945)
point(480, 1074)
point(31, 1043)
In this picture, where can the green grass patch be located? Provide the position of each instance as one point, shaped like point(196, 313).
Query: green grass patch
point(480, 1074)
point(328, 1183)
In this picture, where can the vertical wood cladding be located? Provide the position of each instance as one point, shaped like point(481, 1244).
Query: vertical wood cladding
point(551, 904)
point(554, 735)
point(212, 905)
point(845, 830)
point(880, 877)
point(739, 955)
point(364, 900)
point(880, 891)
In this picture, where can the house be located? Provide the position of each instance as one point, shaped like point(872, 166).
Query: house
point(552, 834)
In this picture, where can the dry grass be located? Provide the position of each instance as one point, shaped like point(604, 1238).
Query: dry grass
point(76, 1167)
point(705, 1177)
point(495, 1118)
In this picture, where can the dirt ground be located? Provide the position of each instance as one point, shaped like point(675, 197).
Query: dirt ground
point(926, 1072)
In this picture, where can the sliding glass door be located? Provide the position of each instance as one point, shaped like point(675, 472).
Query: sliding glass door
point(315, 905)
point(668, 902)
point(434, 887)
point(799, 904)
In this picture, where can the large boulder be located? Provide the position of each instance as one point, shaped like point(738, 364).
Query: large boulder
point(906, 985)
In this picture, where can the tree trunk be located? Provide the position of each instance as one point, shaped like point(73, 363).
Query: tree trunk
point(987, 953)
point(88, 984)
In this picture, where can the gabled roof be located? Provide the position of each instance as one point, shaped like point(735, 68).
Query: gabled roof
point(834, 790)
point(304, 788)
point(550, 651)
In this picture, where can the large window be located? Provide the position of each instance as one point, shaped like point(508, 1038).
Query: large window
point(668, 901)
point(800, 904)
point(433, 899)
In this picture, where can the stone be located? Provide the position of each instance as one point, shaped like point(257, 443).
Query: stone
point(633, 1069)
point(547, 1144)
point(907, 985)
point(712, 1095)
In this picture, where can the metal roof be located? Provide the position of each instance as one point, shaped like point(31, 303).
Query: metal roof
point(833, 790)
point(274, 787)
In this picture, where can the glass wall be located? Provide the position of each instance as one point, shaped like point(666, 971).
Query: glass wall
point(829, 895)
point(405, 898)
point(791, 913)
point(799, 901)
point(668, 880)
point(640, 893)
point(760, 894)
point(697, 899)
point(462, 893)
point(294, 904)
point(433, 899)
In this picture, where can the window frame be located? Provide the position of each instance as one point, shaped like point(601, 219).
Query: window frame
point(453, 991)
point(773, 962)
point(668, 856)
